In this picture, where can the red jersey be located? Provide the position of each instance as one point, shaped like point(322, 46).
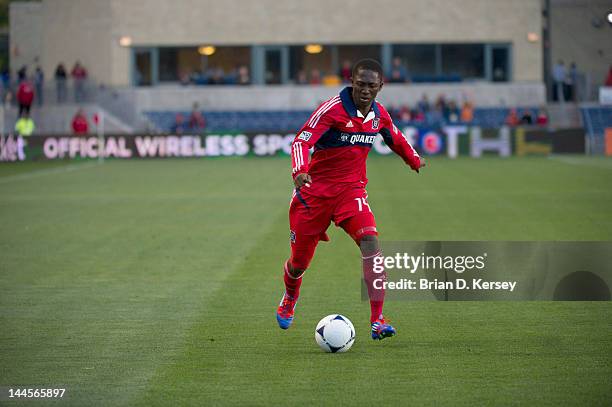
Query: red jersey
point(25, 93)
point(342, 138)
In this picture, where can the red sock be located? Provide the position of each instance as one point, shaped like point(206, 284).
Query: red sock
point(375, 310)
point(377, 296)
point(292, 284)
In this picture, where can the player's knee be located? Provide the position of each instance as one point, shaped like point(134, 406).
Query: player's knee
point(295, 272)
point(368, 244)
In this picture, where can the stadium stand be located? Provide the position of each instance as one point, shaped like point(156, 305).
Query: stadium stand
point(291, 120)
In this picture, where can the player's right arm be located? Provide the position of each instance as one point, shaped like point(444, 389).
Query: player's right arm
point(319, 122)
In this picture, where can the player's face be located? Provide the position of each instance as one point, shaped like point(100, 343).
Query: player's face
point(366, 85)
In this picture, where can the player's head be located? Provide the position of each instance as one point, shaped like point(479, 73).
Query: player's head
point(367, 81)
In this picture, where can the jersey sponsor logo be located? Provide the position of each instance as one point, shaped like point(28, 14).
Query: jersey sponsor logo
point(375, 123)
point(349, 124)
point(305, 135)
point(362, 139)
point(292, 236)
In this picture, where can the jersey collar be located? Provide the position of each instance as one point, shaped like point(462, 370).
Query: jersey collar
point(351, 109)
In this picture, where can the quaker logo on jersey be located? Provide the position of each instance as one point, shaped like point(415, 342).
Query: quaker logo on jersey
point(292, 236)
point(305, 135)
point(344, 137)
point(375, 123)
point(362, 139)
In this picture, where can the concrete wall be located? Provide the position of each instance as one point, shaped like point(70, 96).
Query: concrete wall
point(581, 34)
point(308, 97)
point(25, 35)
point(89, 29)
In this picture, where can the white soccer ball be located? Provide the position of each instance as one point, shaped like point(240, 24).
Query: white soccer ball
point(335, 333)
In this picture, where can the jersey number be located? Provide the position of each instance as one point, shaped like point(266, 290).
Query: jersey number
point(361, 202)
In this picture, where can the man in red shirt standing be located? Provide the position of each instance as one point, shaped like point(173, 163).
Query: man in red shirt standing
point(331, 185)
point(80, 125)
point(79, 76)
point(25, 96)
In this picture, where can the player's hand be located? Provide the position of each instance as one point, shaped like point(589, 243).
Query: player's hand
point(422, 162)
point(302, 179)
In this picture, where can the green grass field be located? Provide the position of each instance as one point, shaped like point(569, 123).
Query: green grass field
point(155, 282)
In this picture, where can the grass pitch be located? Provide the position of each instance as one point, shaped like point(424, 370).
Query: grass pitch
point(155, 282)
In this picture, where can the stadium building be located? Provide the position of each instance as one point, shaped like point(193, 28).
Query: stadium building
point(146, 63)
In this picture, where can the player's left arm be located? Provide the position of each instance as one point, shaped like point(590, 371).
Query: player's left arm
point(398, 143)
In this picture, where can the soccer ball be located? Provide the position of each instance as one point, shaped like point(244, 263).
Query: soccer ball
point(335, 333)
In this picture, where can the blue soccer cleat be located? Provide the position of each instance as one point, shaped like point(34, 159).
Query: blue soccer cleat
point(284, 313)
point(382, 330)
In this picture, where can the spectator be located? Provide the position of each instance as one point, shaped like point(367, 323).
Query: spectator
point(22, 73)
point(315, 77)
point(216, 76)
point(243, 75)
point(559, 73)
point(405, 114)
point(453, 112)
point(346, 71)
point(79, 76)
point(512, 118)
point(423, 104)
point(80, 125)
point(609, 78)
point(60, 83)
point(398, 72)
point(39, 84)
point(25, 125)
point(197, 122)
point(441, 108)
point(301, 78)
point(25, 96)
point(6, 82)
point(185, 77)
point(179, 124)
point(418, 116)
point(542, 118)
point(526, 117)
point(571, 80)
point(467, 112)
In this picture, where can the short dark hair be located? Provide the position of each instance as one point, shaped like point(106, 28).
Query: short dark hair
point(368, 64)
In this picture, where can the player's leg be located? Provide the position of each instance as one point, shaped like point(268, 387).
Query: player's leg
point(356, 218)
point(308, 219)
point(302, 251)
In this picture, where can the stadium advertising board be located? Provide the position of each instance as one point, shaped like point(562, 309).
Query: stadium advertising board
point(450, 140)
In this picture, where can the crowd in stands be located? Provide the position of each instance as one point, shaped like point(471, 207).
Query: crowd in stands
point(10, 86)
point(195, 123)
point(565, 82)
point(443, 110)
point(217, 76)
point(27, 89)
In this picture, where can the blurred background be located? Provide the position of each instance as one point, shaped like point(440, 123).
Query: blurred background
point(203, 67)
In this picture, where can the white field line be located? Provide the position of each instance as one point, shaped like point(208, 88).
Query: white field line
point(583, 162)
point(47, 171)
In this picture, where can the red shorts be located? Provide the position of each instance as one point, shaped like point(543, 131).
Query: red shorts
point(310, 216)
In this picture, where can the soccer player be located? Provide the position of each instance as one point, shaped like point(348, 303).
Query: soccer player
point(331, 186)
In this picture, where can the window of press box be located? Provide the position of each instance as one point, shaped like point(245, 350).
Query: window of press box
point(191, 65)
point(465, 61)
point(419, 60)
point(325, 65)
